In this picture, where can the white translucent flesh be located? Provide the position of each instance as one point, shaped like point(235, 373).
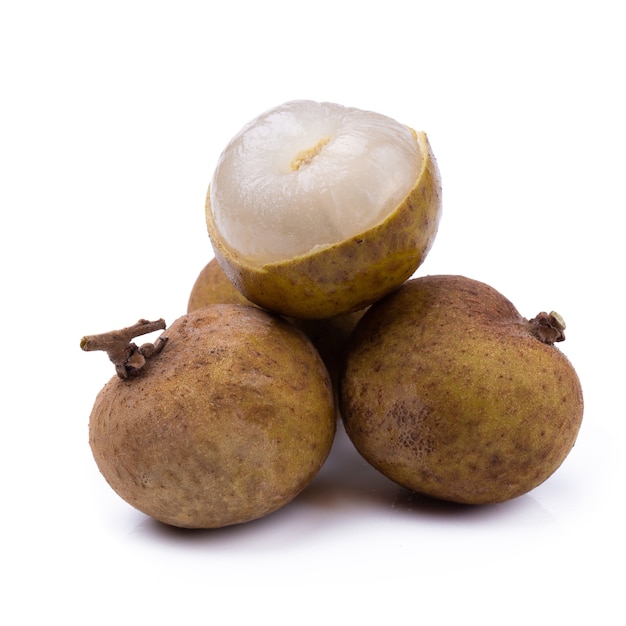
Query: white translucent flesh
point(306, 175)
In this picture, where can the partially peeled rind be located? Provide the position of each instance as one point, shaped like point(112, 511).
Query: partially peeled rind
point(349, 275)
point(309, 174)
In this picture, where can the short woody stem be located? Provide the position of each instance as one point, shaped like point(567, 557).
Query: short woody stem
point(548, 327)
point(127, 357)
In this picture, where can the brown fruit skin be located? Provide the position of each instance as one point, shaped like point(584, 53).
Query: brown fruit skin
point(228, 423)
point(213, 287)
point(330, 336)
point(447, 392)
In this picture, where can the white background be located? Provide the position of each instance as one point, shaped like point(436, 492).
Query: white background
point(113, 115)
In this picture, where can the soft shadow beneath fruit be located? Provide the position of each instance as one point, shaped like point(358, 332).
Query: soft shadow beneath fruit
point(346, 490)
point(348, 482)
point(154, 529)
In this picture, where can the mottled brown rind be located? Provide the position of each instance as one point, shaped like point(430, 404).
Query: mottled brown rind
point(227, 424)
point(448, 392)
point(213, 287)
point(330, 336)
point(351, 275)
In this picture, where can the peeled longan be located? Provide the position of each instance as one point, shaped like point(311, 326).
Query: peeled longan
point(317, 210)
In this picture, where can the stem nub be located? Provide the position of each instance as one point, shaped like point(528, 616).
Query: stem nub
point(127, 357)
point(548, 327)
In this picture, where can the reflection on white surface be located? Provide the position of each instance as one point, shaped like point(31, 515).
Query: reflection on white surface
point(347, 494)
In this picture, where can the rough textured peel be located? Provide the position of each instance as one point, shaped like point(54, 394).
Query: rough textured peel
point(213, 287)
point(229, 422)
point(330, 336)
point(350, 275)
point(449, 392)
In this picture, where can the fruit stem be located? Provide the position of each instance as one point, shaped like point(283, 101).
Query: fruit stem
point(548, 327)
point(127, 357)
